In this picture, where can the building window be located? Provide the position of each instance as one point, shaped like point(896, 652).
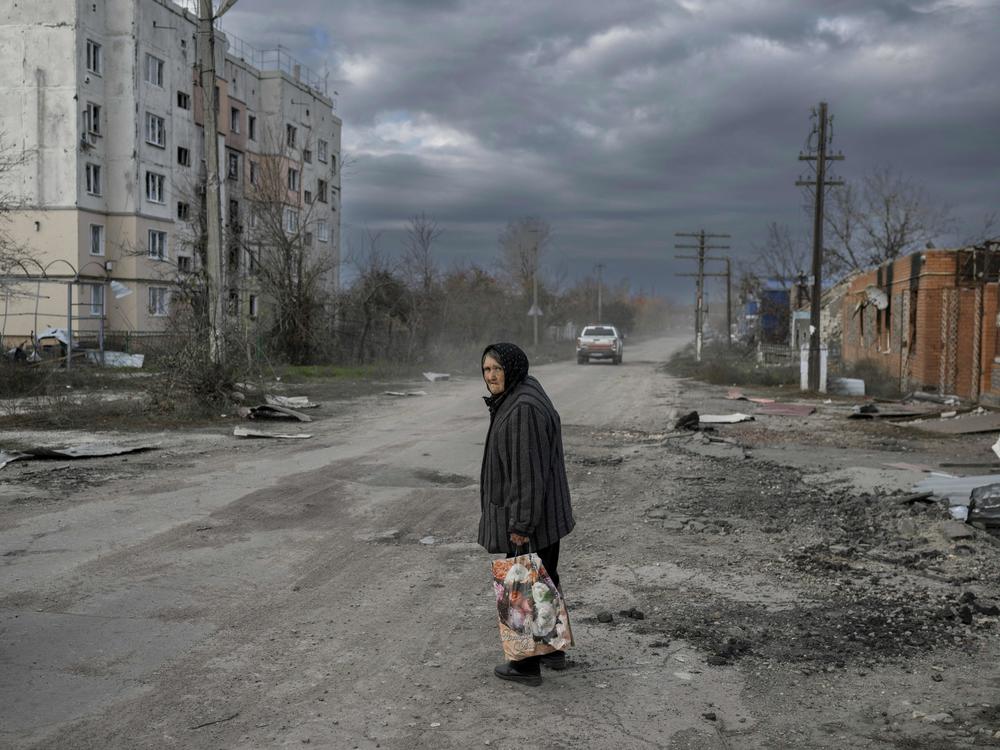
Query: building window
point(159, 300)
point(156, 131)
point(252, 305)
point(157, 244)
point(95, 62)
point(291, 220)
point(290, 132)
point(184, 264)
point(307, 197)
point(232, 165)
point(307, 239)
point(183, 100)
point(321, 151)
point(321, 191)
point(234, 302)
point(97, 299)
point(252, 219)
point(93, 174)
point(252, 127)
point(155, 192)
point(183, 156)
point(307, 156)
point(183, 211)
point(234, 120)
point(234, 213)
point(254, 179)
point(92, 119)
point(322, 231)
point(97, 239)
point(293, 180)
point(333, 164)
point(154, 70)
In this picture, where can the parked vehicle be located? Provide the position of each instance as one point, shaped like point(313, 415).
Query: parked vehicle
point(599, 341)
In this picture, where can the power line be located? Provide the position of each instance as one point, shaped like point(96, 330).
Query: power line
point(701, 247)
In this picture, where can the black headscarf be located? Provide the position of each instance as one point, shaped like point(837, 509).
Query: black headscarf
point(514, 362)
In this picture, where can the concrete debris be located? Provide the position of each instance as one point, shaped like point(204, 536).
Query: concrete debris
point(244, 432)
point(90, 450)
point(687, 422)
point(291, 402)
point(428, 540)
point(272, 411)
point(984, 505)
point(405, 394)
point(436, 376)
point(786, 410)
point(724, 418)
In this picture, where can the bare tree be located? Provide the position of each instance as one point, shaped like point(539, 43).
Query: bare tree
point(883, 217)
point(278, 245)
point(418, 262)
point(782, 258)
point(522, 244)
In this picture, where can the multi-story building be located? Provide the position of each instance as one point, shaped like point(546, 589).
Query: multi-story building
point(103, 110)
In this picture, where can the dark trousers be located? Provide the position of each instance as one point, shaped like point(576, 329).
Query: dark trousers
point(550, 559)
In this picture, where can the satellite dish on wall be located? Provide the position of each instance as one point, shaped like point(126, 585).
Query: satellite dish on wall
point(877, 297)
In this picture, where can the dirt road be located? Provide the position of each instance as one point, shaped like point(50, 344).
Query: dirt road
point(225, 594)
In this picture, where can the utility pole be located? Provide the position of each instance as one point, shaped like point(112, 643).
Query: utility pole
point(600, 288)
point(822, 132)
point(701, 247)
point(214, 267)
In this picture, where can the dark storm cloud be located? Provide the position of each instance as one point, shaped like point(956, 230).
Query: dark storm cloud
point(623, 123)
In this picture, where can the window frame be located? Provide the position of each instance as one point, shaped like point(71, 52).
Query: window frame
point(96, 292)
point(162, 251)
point(294, 180)
point(155, 65)
point(100, 240)
point(322, 230)
point(158, 301)
point(92, 118)
point(183, 100)
point(291, 134)
point(235, 117)
point(92, 178)
point(156, 126)
point(252, 127)
point(94, 57)
point(290, 220)
point(321, 151)
point(156, 187)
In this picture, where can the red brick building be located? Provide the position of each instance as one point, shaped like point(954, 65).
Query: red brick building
point(935, 324)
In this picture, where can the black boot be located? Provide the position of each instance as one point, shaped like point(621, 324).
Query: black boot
point(555, 660)
point(507, 671)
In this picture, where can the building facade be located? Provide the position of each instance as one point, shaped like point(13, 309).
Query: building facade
point(930, 320)
point(103, 110)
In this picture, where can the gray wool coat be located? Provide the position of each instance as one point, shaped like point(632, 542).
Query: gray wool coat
point(523, 487)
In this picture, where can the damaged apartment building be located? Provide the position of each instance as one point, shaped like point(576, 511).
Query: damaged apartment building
point(930, 320)
point(103, 136)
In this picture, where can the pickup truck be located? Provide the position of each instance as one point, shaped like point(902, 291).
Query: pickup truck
point(599, 341)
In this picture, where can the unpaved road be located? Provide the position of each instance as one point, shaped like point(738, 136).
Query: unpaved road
point(328, 593)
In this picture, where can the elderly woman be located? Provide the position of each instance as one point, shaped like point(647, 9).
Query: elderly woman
point(524, 495)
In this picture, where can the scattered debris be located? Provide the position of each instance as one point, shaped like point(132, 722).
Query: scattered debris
point(633, 613)
point(936, 398)
point(272, 411)
point(404, 394)
point(428, 540)
point(984, 505)
point(90, 450)
point(436, 376)
point(735, 394)
point(605, 616)
point(291, 402)
point(956, 489)
point(903, 466)
point(916, 497)
point(724, 418)
point(244, 432)
point(688, 422)
point(786, 410)
point(217, 721)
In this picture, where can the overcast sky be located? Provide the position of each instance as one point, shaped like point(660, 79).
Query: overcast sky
point(621, 123)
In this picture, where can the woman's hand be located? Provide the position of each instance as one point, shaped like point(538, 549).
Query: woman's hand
point(518, 540)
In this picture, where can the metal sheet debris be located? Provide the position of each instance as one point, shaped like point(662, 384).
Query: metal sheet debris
point(245, 432)
point(724, 418)
point(985, 505)
point(272, 411)
point(956, 489)
point(88, 450)
point(404, 394)
point(786, 410)
point(903, 466)
point(291, 402)
point(436, 376)
point(961, 425)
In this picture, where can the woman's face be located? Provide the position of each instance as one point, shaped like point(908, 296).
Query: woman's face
point(493, 375)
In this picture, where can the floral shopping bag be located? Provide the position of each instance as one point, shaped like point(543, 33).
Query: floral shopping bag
point(532, 612)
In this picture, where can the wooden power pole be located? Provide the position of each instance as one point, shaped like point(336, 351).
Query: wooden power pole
point(701, 247)
point(819, 140)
